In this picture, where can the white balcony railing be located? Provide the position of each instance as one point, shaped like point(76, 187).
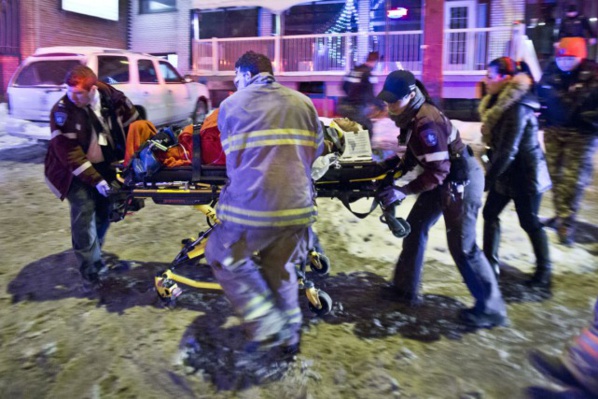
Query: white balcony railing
point(466, 51)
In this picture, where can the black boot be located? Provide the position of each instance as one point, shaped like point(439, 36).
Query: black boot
point(543, 274)
point(491, 244)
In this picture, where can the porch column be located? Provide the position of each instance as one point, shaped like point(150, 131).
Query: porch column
point(433, 27)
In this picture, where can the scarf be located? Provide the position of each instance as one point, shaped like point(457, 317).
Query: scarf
point(493, 106)
point(402, 120)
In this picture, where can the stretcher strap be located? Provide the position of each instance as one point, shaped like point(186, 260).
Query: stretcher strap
point(196, 161)
point(345, 200)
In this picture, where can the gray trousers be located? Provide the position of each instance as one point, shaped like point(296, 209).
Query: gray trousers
point(90, 219)
point(460, 215)
point(257, 271)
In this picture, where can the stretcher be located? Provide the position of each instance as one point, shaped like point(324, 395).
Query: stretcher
point(199, 186)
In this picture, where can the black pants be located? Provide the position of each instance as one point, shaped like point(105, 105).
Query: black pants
point(527, 207)
point(460, 213)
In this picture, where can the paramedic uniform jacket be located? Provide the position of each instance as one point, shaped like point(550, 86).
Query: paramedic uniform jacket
point(271, 135)
point(431, 142)
point(72, 131)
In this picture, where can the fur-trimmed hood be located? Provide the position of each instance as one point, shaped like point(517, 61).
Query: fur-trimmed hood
point(517, 90)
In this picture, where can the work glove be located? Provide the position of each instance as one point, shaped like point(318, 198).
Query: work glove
point(390, 195)
point(103, 188)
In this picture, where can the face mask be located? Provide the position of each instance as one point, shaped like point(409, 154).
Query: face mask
point(567, 64)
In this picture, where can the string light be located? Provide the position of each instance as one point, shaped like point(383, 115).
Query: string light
point(344, 23)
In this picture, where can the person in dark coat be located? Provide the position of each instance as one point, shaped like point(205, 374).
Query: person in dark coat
point(360, 102)
point(568, 93)
point(517, 167)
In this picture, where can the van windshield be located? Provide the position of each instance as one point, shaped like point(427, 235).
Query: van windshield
point(45, 73)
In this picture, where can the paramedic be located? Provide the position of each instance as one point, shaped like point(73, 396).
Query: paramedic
point(449, 182)
point(88, 126)
point(271, 135)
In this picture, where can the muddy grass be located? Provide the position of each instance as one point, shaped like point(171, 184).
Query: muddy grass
point(57, 341)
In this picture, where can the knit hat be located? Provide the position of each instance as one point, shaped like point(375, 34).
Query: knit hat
point(572, 47)
point(397, 85)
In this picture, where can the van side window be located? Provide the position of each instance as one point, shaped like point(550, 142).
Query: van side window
point(41, 73)
point(113, 69)
point(147, 71)
point(170, 74)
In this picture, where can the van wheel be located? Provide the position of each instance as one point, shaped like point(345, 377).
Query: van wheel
point(200, 112)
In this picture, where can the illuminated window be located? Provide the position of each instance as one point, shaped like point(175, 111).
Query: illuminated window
point(153, 6)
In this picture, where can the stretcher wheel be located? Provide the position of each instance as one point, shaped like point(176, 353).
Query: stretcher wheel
point(318, 262)
point(326, 303)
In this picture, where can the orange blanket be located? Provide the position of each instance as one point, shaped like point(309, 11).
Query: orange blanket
point(178, 155)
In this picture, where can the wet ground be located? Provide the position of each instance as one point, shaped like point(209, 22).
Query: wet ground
point(56, 340)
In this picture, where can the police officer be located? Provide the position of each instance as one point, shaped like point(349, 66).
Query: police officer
point(450, 182)
point(89, 126)
point(568, 92)
point(360, 101)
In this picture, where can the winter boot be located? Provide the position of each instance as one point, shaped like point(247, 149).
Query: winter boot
point(553, 368)
point(542, 275)
point(491, 244)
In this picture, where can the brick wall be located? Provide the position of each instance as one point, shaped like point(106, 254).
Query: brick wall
point(8, 65)
point(44, 23)
point(163, 32)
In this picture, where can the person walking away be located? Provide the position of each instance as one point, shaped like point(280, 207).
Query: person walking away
point(360, 102)
point(89, 126)
point(568, 92)
point(450, 182)
point(517, 167)
point(271, 135)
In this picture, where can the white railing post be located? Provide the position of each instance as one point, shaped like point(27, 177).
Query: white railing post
point(214, 54)
point(277, 54)
point(347, 53)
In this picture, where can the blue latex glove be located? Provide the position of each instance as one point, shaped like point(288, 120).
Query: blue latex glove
point(390, 195)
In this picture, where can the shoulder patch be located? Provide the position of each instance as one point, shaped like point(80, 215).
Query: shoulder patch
point(60, 117)
point(429, 138)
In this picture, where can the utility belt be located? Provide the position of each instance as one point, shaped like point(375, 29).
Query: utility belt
point(459, 172)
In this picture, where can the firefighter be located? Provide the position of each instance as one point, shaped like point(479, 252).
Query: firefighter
point(449, 183)
point(271, 135)
point(89, 126)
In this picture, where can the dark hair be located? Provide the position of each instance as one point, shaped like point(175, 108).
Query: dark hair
point(506, 66)
point(373, 56)
point(254, 63)
point(80, 74)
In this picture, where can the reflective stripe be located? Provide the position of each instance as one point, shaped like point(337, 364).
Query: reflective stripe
point(257, 307)
point(82, 168)
point(53, 188)
point(57, 133)
point(281, 213)
point(352, 80)
point(294, 315)
point(273, 137)
point(269, 223)
point(373, 79)
point(131, 119)
point(434, 157)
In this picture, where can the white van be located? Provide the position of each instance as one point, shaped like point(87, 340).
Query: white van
point(156, 88)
